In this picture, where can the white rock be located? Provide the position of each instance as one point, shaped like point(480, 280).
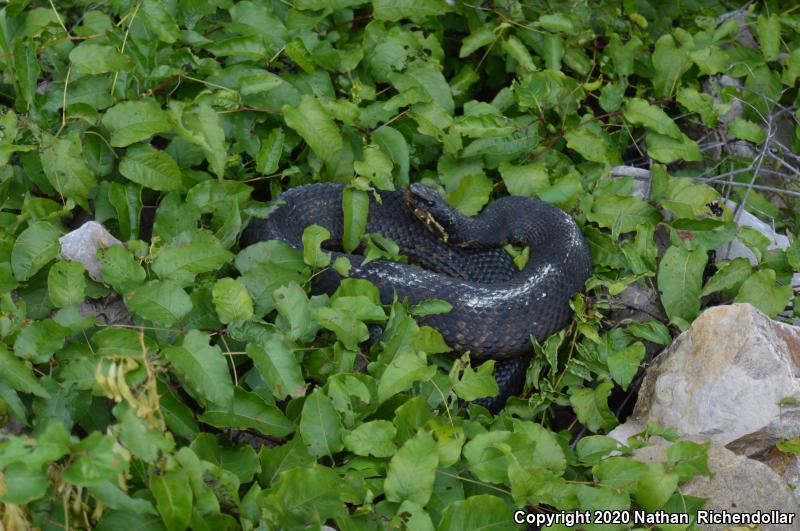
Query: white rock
point(723, 379)
point(738, 485)
point(81, 245)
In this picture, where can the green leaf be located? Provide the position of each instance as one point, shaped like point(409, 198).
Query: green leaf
point(17, 375)
point(639, 111)
point(40, 340)
point(66, 284)
point(26, 69)
point(114, 498)
point(414, 10)
point(313, 255)
point(698, 102)
point(160, 301)
point(376, 167)
point(592, 449)
point(203, 367)
point(655, 487)
point(231, 300)
point(173, 496)
point(201, 126)
point(249, 47)
point(622, 213)
point(355, 206)
point(670, 63)
point(769, 35)
point(393, 143)
point(314, 124)
point(96, 461)
point(298, 52)
point(593, 144)
point(184, 262)
point(652, 330)
point(270, 153)
point(29, 483)
point(65, 166)
point(514, 47)
point(320, 425)
point(133, 121)
point(688, 199)
point(120, 269)
point(591, 406)
point(90, 58)
point(524, 180)
point(278, 366)
point(482, 512)
point(471, 193)
point(248, 411)
point(306, 495)
point(680, 277)
point(762, 291)
point(159, 21)
point(668, 149)
point(33, 249)
point(412, 470)
point(747, 130)
point(151, 168)
point(374, 438)
point(430, 307)
point(479, 38)
point(294, 307)
point(477, 384)
point(405, 369)
point(729, 277)
point(624, 364)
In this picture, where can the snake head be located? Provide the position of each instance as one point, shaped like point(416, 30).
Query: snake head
point(432, 209)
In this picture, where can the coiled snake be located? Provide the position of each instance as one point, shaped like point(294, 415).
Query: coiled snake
point(496, 307)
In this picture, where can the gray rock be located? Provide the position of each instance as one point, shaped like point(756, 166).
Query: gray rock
point(81, 245)
point(738, 485)
point(723, 380)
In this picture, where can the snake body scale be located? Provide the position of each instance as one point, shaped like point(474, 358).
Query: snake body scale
point(496, 308)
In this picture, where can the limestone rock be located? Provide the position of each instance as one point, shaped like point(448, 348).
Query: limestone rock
point(738, 485)
point(81, 245)
point(723, 379)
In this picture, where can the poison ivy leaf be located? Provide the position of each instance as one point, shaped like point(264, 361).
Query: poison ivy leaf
point(479, 38)
point(294, 307)
point(133, 121)
point(729, 277)
point(40, 340)
point(376, 167)
point(592, 449)
point(700, 103)
point(305, 494)
point(652, 330)
point(762, 291)
point(320, 425)
point(593, 144)
point(203, 367)
point(670, 63)
point(30, 483)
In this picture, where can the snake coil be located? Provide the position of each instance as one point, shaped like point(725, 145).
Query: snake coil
point(496, 308)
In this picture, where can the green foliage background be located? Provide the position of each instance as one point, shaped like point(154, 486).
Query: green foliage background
point(235, 399)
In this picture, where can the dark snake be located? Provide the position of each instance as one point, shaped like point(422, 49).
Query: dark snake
point(496, 307)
